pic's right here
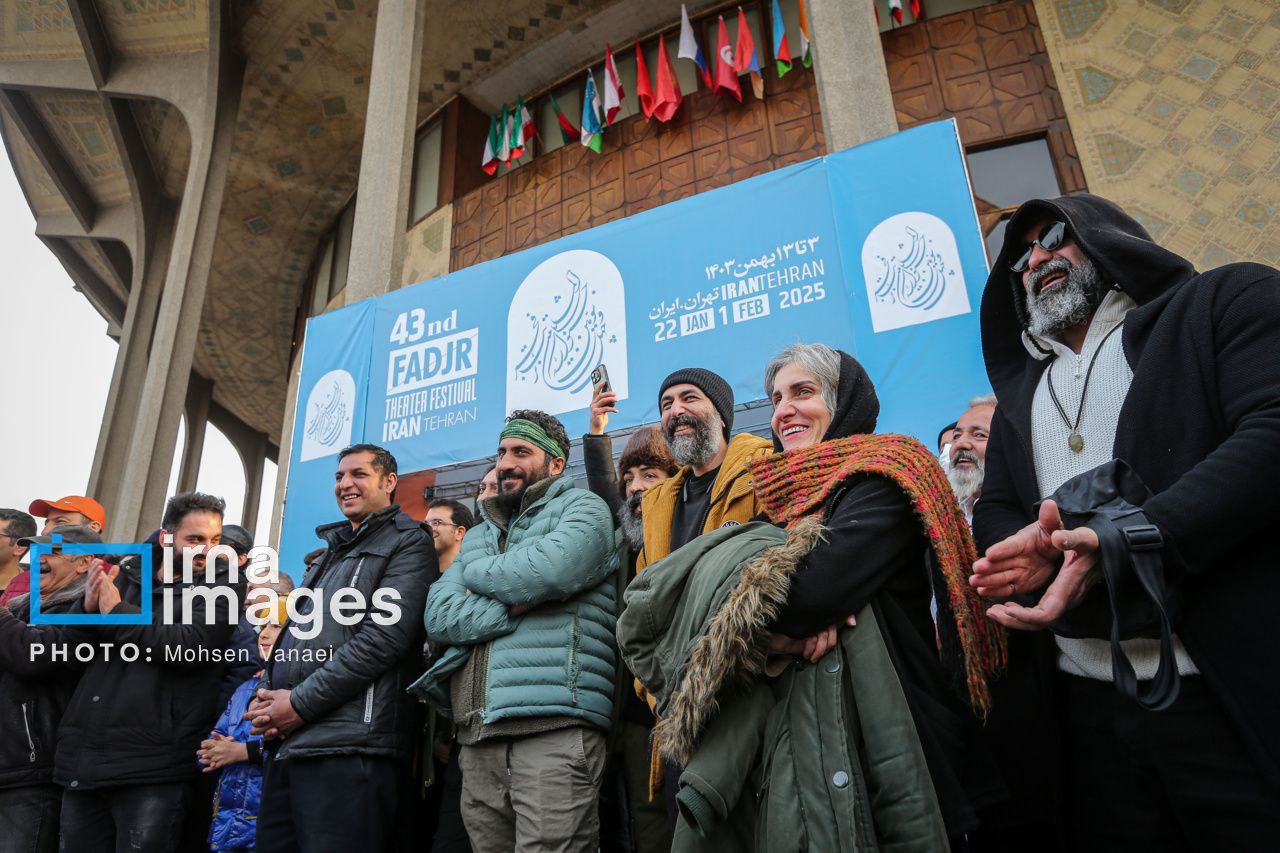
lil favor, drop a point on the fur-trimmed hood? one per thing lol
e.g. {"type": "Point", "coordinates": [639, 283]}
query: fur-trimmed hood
{"type": "Point", "coordinates": [687, 635]}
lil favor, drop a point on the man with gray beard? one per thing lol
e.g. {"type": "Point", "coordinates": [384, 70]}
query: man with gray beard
{"type": "Point", "coordinates": [968, 457]}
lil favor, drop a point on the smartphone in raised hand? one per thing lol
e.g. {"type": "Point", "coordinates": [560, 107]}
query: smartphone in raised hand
{"type": "Point", "coordinates": [600, 378]}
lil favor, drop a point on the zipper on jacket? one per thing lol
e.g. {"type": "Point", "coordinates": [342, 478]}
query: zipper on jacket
{"type": "Point", "coordinates": [26, 724]}
{"type": "Point", "coordinates": [368, 704]}
{"type": "Point", "coordinates": [355, 578]}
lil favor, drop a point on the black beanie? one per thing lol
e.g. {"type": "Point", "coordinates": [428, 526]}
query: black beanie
{"type": "Point", "coordinates": [716, 389]}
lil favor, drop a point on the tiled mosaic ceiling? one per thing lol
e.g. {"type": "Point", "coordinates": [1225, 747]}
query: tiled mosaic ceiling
{"type": "Point", "coordinates": [1175, 107]}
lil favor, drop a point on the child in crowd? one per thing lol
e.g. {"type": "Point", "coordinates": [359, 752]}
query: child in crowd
{"type": "Point", "coordinates": [232, 750]}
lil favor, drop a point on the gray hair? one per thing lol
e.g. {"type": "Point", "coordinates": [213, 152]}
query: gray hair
{"type": "Point", "coordinates": [819, 359]}
{"type": "Point", "coordinates": [982, 400]}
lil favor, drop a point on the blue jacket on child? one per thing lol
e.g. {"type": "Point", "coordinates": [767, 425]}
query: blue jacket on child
{"type": "Point", "coordinates": [235, 803]}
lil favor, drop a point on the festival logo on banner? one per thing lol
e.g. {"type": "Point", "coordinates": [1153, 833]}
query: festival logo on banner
{"type": "Point", "coordinates": [568, 316]}
{"type": "Point", "coordinates": [913, 273]}
{"type": "Point", "coordinates": [330, 412]}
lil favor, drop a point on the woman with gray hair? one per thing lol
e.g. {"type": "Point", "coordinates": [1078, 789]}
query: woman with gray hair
{"type": "Point", "coordinates": [893, 539]}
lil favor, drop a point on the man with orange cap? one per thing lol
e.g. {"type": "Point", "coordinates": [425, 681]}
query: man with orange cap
{"type": "Point", "coordinates": [72, 510]}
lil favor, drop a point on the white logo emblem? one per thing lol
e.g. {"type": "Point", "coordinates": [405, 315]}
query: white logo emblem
{"type": "Point", "coordinates": [913, 273]}
{"type": "Point", "coordinates": [330, 413]}
{"type": "Point", "coordinates": [568, 316]}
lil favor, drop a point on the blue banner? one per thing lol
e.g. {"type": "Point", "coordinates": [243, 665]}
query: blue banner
{"type": "Point", "coordinates": [875, 250]}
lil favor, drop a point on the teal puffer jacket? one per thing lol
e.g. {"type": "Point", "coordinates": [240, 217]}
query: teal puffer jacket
{"type": "Point", "coordinates": [558, 659]}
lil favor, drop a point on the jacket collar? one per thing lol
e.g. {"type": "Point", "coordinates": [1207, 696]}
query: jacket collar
{"type": "Point", "coordinates": [337, 534]}
{"type": "Point", "coordinates": [1110, 314]}
{"type": "Point", "coordinates": [540, 492]}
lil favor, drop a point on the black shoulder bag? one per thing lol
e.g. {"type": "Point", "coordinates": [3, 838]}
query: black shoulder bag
{"type": "Point", "coordinates": [1138, 600]}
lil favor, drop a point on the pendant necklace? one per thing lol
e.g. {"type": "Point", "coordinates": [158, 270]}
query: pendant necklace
{"type": "Point", "coordinates": [1075, 440]}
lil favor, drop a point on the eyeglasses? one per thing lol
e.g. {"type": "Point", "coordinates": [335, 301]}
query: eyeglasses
{"type": "Point", "coordinates": [435, 522]}
{"type": "Point", "coordinates": [1050, 238]}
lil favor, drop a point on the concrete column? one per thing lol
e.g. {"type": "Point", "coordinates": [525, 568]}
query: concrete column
{"type": "Point", "coordinates": [286, 449]}
{"type": "Point", "coordinates": [386, 158]}
{"type": "Point", "coordinates": [211, 115]}
{"type": "Point", "coordinates": [199, 395]}
{"type": "Point", "coordinates": [254, 455]}
{"type": "Point", "coordinates": [853, 84]}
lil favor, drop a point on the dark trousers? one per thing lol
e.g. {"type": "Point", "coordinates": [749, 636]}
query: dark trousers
{"type": "Point", "coordinates": [318, 805]}
{"type": "Point", "coordinates": [146, 818]}
{"type": "Point", "coordinates": [29, 819]}
{"type": "Point", "coordinates": [1172, 780]}
{"type": "Point", "coordinates": [450, 834]}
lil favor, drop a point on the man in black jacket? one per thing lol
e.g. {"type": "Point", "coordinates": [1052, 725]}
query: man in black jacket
{"type": "Point", "coordinates": [34, 692]}
{"type": "Point", "coordinates": [1101, 345]}
{"type": "Point", "coordinates": [148, 696]}
{"type": "Point", "coordinates": [333, 705]}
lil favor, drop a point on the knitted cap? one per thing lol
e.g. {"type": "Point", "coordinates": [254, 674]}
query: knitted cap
{"type": "Point", "coordinates": [716, 389]}
{"type": "Point", "coordinates": [646, 448]}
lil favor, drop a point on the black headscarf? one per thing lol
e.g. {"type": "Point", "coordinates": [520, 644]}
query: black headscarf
{"type": "Point", "coordinates": [857, 405]}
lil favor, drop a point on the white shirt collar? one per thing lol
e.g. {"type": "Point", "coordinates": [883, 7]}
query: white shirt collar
{"type": "Point", "coordinates": [1110, 314]}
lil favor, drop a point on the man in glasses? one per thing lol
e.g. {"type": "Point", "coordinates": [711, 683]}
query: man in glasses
{"type": "Point", "coordinates": [1102, 345]}
{"type": "Point", "coordinates": [449, 521]}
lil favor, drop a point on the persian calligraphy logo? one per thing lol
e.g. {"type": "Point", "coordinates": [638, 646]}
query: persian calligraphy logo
{"type": "Point", "coordinates": [912, 271]}
{"type": "Point", "coordinates": [330, 414]}
{"type": "Point", "coordinates": [568, 315]}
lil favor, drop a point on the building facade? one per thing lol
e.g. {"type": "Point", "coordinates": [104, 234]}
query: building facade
{"type": "Point", "coordinates": [212, 173]}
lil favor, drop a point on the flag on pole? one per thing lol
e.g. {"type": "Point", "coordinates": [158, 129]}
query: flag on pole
{"type": "Point", "coordinates": [644, 84]}
{"type": "Point", "coordinates": [592, 128]}
{"type": "Point", "coordinates": [781, 50]}
{"type": "Point", "coordinates": [745, 55]}
{"type": "Point", "coordinates": [806, 49]}
{"type": "Point", "coordinates": [726, 77]}
{"type": "Point", "coordinates": [568, 132]}
{"type": "Point", "coordinates": [689, 47]}
{"type": "Point", "coordinates": [895, 9]}
{"type": "Point", "coordinates": [669, 95]}
{"type": "Point", "coordinates": [917, 10]}
{"type": "Point", "coordinates": [489, 162]}
{"type": "Point", "coordinates": [517, 129]}
{"type": "Point", "coordinates": [528, 127]}
{"type": "Point", "coordinates": [613, 93]}
{"type": "Point", "coordinates": [504, 137]}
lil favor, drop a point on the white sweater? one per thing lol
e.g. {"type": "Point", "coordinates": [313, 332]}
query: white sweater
{"type": "Point", "coordinates": [1056, 462]}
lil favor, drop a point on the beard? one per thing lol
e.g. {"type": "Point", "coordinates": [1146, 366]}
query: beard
{"type": "Point", "coordinates": [511, 498]}
{"type": "Point", "coordinates": [1070, 303]}
{"type": "Point", "coordinates": [630, 521]}
{"type": "Point", "coordinates": [692, 449]}
{"type": "Point", "coordinates": [965, 482]}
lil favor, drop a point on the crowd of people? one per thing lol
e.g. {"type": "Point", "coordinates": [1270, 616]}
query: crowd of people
{"type": "Point", "coordinates": [1046, 633]}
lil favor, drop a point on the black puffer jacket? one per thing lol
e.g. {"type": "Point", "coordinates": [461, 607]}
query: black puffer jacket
{"type": "Point", "coordinates": [139, 722]}
{"type": "Point", "coordinates": [34, 692]}
{"type": "Point", "coordinates": [354, 703]}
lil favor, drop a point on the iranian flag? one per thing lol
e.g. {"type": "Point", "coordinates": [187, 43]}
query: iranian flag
{"type": "Point", "coordinates": [644, 84]}
{"type": "Point", "coordinates": [726, 77]}
{"type": "Point", "coordinates": [517, 129]}
{"type": "Point", "coordinates": [592, 128]}
{"type": "Point", "coordinates": [613, 93]}
{"type": "Point", "coordinates": [895, 9]}
{"type": "Point", "coordinates": [528, 128]}
{"type": "Point", "coordinates": [781, 50]}
{"type": "Point", "coordinates": [568, 132]}
{"type": "Point", "coordinates": [669, 95]}
{"type": "Point", "coordinates": [504, 137]}
{"type": "Point", "coordinates": [745, 55]}
{"type": "Point", "coordinates": [806, 49]}
{"type": "Point", "coordinates": [490, 160]}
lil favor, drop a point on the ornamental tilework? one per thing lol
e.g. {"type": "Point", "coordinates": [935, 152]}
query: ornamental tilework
{"type": "Point", "coordinates": [1183, 129]}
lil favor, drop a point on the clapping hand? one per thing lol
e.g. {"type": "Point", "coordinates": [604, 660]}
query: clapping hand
{"type": "Point", "coordinates": [1024, 562]}
{"type": "Point", "coordinates": [100, 593]}
{"type": "Point", "coordinates": [1077, 576]}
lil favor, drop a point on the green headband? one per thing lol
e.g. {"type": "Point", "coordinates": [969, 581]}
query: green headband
{"type": "Point", "coordinates": [532, 433]}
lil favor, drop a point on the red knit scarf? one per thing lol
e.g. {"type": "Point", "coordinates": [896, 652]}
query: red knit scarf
{"type": "Point", "coordinates": [796, 483]}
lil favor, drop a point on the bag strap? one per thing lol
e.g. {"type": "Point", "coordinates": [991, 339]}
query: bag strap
{"type": "Point", "coordinates": [1127, 539]}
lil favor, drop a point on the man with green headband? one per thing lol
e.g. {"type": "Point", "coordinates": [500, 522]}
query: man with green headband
{"type": "Point", "coordinates": [528, 611]}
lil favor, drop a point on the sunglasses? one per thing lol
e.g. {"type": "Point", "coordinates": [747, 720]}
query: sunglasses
{"type": "Point", "coordinates": [1050, 239]}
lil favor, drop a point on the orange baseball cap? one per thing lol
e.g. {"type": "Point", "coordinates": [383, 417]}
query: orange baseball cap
{"type": "Point", "coordinates": [87, 507]}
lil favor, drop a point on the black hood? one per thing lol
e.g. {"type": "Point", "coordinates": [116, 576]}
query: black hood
{"type": "Point", "coordinates": [857, 405]}
{"type": "Point", "coordinates": [1120, 247]}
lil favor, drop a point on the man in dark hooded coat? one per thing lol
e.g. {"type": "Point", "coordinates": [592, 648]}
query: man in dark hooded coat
{"type": "Point", "coordinates": [1101, 344]}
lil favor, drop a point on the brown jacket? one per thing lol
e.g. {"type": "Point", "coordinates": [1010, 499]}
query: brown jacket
{"type": "Point", "coordinates": [732, 498]}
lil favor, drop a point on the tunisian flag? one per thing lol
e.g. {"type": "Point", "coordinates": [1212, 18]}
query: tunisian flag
{"type": "Point", "coordinates": [669, 95]}
{"type": "Point", "coordinates": [726, 77]}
